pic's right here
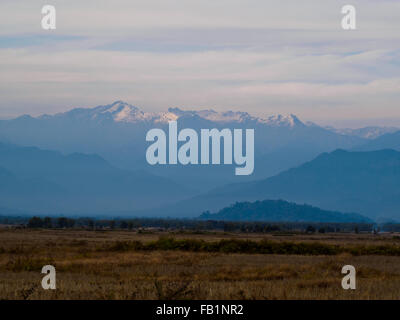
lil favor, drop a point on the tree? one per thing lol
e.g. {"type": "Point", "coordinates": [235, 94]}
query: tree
{"type": "Point", "coordinates": [310, 229]}
{"type": "Point", "coordinates": [47, 222]}
{"type": "Point", "coordinates": [70, 223]}
{"type": "Point", "coordinates": [229, 227]}
{"type": "Point", "coordinates": [62, 222]}
{"type": "Point", "coordinates": [35, 222]}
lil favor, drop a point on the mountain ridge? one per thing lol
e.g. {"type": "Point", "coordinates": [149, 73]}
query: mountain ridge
{"type": "Point", "coordinates": [386, 141]}
{"type": "Point", "coordinates": [120, 111]}
{"type": "Point", "coordinates": [364, 182]}
{"type": "Point", "coordinates": [117, 133]}
{"type": "Point", "coordinates": [45, 180]}
{"type": "Point", "coordinates": [370, 132]}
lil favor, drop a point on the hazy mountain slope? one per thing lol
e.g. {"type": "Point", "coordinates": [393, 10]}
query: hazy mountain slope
{"type": "Point", "coordinates": [364, 182]}
{"type": "Point", "coordinates": [7, 212]}
{"type": "Point", "coordinates": [117, 133]}
{"type": "Point", "coordinates": [387, 141]}
{"type": "Point", "coordinates": [42, 180]}
{"type": "Point", "coordinates": [370, 133]}
{"type": "Point", "coordinates": [10, 185]}
{"type": "Point", "coordinates": [279, 210]}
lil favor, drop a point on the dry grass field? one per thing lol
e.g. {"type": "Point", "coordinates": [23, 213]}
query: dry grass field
{"type": "Point", "coordinates": [90, 265]}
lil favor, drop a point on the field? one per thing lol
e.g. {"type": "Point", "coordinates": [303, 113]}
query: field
{"type": "Point", "coordinates": [117, 264]}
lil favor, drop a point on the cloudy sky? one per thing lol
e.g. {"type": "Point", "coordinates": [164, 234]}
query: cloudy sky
{"type": "Point", "coordinates": [263, 57]}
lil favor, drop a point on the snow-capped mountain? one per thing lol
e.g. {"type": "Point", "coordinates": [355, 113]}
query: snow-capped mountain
{"type": "Point", "coordinates": [366, 132]}
{"type": "Point", "coordinates": [211, 115]}
{"type": "Point", "coordinates": [117, 132]}
{"type": "Point", "coordinates": [120, 111]}
{"type": "Point", "coordinates": [285, 121]}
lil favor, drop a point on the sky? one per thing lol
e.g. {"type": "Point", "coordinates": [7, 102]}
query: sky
{"type": "Point", "coordinates": [263, 57]}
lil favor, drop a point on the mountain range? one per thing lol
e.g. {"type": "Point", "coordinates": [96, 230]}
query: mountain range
{"type": "Point", "coordinates": [92, 161]}
{"type": "Point", "coordinates": [367, 183]}
{"type": "Point", "coordinates": [386, 141]}
{"type": "Point", "coordinates": [117, 131]}
{"type": "Point", "coordinates": [35, 180]}
{"type": "Point", "coordinates": [370, 132]}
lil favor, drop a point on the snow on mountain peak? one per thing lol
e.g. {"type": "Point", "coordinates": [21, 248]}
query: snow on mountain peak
{"type": "Point", "coordinates": [117, 107]}
{"type": "Point", "coordinates": [124, 112]}
{"type": "Point", "coordinates": [238, 116]}
{"type": "Point", "coordinates": [211, 115]}
{"type": "Point", "coordinates": [281, 120]}
{"type": "Point", "coordinates": [120, 111]}
{"type": "Point", "coordinates": [370, 132]}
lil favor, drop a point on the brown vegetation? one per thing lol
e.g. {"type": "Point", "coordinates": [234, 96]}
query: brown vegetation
{"type": "Point", "coordinates": [128, 265]}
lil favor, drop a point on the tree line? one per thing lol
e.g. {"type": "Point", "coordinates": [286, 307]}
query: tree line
{"type": "Point", "coordinates": [192, 225]}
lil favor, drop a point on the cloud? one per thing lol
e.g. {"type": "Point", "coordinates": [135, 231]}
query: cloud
{"type": "Point", "coordinates": [258, 56]}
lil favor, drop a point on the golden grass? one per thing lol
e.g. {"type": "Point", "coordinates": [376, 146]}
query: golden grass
{"type": "Point", "coordinates": [86, 272]}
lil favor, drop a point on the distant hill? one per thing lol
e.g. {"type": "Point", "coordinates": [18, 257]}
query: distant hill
{"type": "Point", "coordinates": [279, 210]}
{"type": "Point", "coordinates": [364, 182]}
{"type": "Point", "coordinates": [7, 212]}
{"type": "Point", "coordinates": [386, 141]}
{"type": "Point", "coordinates": [36, 180]}
{"type": "Point", "coordinates": [370, 133]}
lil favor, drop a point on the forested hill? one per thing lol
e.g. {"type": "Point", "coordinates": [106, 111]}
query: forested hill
{"type": "Point", "coordinates": [280, 210]}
